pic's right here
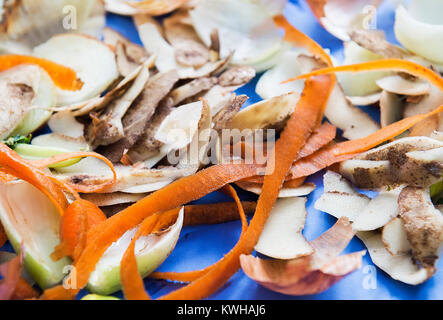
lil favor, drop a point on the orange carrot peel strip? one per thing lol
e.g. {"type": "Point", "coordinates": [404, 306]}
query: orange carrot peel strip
{"type": "Point", "coordinates": [382, 135]}
{"type": "Point", "coordinates": [132, 282]}
{"type": "Point", "coordinates": [300, 39]}
{"type": "Point", "coordinates": [299, 127]}
{"type": "Point", "coordinates": [348, 149]}
{"type": "Point", "coordinates": [194, 275]}
{"type": "Point", "coordinates": [14, 165]}
{"type": "Point", "coordinates": [188, 189]}
{"type": "Point", "coordinates": [380, 65]}
{"type": "Point", "coordinates": [295, 36]}
{"type": "Point", "coordinates": [80, 216]}
{"type": "Point", "coordinates": [63, 77]}
{"type": "Point", "coordinates": [172, 196]}
{"type": "Point", "coordinates": [319, 139]}
{"type": "Point", "coordinates": [303, 121]}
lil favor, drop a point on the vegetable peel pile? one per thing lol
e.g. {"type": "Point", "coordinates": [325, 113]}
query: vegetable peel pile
{"type": "Point", "coordinates": [138, 133]}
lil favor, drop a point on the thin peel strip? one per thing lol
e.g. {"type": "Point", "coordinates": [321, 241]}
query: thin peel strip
{"type": "Point", "coordinates": [63, 77]}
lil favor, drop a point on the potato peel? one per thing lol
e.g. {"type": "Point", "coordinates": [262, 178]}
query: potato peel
{"type": "Point", "coordinates": [423, 224]}
{"type": "Point", "coordinates": [282, 235]}
{"type": "Point", "coordinates": [400, 267]}
{"type": "Point", "coordinates": [310, 274]}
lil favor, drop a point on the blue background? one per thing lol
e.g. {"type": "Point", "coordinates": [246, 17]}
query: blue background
{"type": "Point", "coordinates": [201, 246]}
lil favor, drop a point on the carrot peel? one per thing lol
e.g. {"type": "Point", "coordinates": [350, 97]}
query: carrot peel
{"type": "Point", "coordinates": [63, 77]}
{"type": "Point", "coordinates": [346, 150]}
{"type": "Point", "coordinates": [299, 127]}
{"type": "Point", "coordinates": [194, 275]}
{"type": "Point", "coordinates": [377, 65]}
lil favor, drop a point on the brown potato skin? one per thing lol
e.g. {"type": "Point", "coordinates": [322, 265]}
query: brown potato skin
{"type": "Point", "coordinates": [423, 224]}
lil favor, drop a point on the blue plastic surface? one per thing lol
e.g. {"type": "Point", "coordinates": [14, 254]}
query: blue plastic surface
{"type": "Point", "coordinates": [200, 246]}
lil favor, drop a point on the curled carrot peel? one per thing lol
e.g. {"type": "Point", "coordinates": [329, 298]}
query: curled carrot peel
{"type": "Point", "coordinates": [194, 275]}
{"type": "Point", "coordinates": [382, 135]}
{"type": "Point", "coordinates": [321, 137]}
{"type": "Point", "coordinates": [14, 165]}
{"type": "Point", "coordinates": [295, 36]}
{"type": "Point", "coordinates": [318, 161]}
{"type": "Point", "coordinates": [380, 65]}
{"type": "Point", "coordinates": [348, 149]}
{"type": "Point", "coordinates": [43, 163]}
{"type": "Point", "coordinates": [299, 127]}
{"type": "Point", "coordinates": [132, 282]}
{"type": "Point", "coordinates": [172, 196]}
{"type": "Point", "coordinates": [63, 77]}
{"type": "Point", "coordinates": [80, 216]}
{"type": "Point", "coordinates": [298, 38]}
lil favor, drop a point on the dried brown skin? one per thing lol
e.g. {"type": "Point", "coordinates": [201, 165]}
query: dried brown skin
{"type": "Point", "coordinates": [102, 131]}
{"type": "Point", "coordinates": [136, 119]}
{"type": "Point", "coordinates": [98, 103]}
{"type": "Point", "coordinates": [125, 63]}
{"type": "Point", "coordinates": [189, 50]}
{"type": "Point", "coordinates": [401, 169]}
{"type": "Point", "coordinates": [423, 224]}
{"type": "Point", "coordinates": [215, 43]}
{"type": "Point", "coordinates": [23, 20]}
{"type": "Point", "coordinates": [147, 145]}
{"type": "Point", "coordinates": [376, 42]}
{"type": "Point", "coordinates": [135, 52]}
{"type": "Point", "coordinates": [371, 178]}
{"type": "Point", "coordinates": [178, 27]}
{"type": "Point", "coordinates": [191, 54]}
{"type": "Point", "coordinates": [425, 128]}
{"type": "Point", "coordinates": [192, 89]}
{"type": "Point", "coordinates": [222, 119]}
{"type": "Point", "coordinates": [236, 76]}
{"type": "Point", "coordinates": [108, 128]}
{"type": "Point", "coordinates": [109, 211]}
{"type": "Point", "coordinates": [16, 95]}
